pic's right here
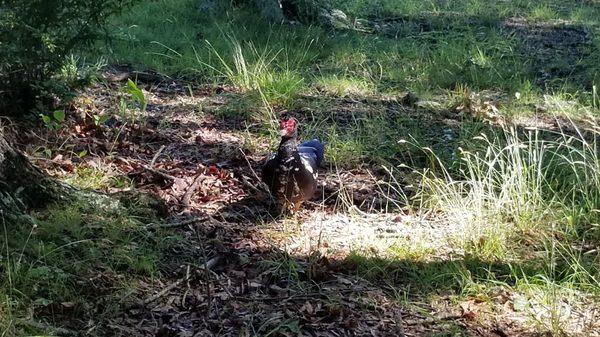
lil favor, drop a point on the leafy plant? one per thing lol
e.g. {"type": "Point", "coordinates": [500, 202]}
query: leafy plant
{"type": "Point", "coordinates": [36, 36]}
{"type": "Point", "coordinates": [55, 120]}
{"type": "Point", "coordinates": [129, 107]}
{"type": "Point", "coordinates": [136, 94]}
{"type": "Point", "coordinates": [100, 119]}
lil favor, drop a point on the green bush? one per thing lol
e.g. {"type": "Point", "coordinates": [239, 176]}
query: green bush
{"type": "Point", "coordinates": [36, 38]}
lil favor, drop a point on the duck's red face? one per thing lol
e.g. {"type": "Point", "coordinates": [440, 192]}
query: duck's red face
{"type": "Point", "coordinates": [287, 127]}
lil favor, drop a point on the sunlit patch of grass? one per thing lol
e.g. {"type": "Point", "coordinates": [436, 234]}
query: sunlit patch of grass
{"type": "Point", "coordinates": [555, 307]}
{"type": "Point", "coordinates": [543, 12]}
{"type": "Point", "coordinates": [501, 197]}
{"type": "Point", "coordinates": [344, 86]}
{"type": "Point", "coordinates": [281, 88]}
{"type": "Point", "coordinates": [510, 201]}
{"type": "Point", "coordinates": [565, 104]}
{"type": "Point", "coordinates": [272, 74]}
{"type": "Point", "coordinates": [438, 45]}
{"type": "Point", "coordinates": [412, 250]}
{"type": "Point", "coordinates": [97, 178]}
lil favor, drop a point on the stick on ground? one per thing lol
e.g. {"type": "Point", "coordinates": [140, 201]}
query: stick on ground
{"type": "Point", "coordinates": [192, 189]}
{"type": "Point", "coordinates": [208, 265]}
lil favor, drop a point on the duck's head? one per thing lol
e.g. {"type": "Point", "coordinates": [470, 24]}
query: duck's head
{"type": "Point", "coordinates": [288, 127]}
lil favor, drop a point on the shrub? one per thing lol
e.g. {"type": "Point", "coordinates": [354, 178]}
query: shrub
{"type": "Point", "coordinates": [36, 36]}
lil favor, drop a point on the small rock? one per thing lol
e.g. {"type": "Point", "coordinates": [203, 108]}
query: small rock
{"type": "Point", "coordinates": [335, 19]}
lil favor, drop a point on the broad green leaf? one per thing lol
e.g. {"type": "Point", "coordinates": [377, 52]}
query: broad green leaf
{"type": "Point", "coordinates": [59, 115]}
{"type": "Point", "coordinates": [46, 119]}
{"type": "Point", "coordinates": [41, 301]}
{"type": "Point", "coordinates": [136, 93]}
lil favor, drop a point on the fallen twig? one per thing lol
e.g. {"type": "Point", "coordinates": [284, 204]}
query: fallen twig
{"type": "Point", "coordinates": [163, 292]}
{"type": "Point", "coordinates": [192, 189]}
{"type": "Point", "coordinates": [206, 268]}
{"type": "Point", "coordinates": [399, 323]}
{"type": "Point", "coordinates": [210, 264]}
{"type": "Point", "coordinates": [245, 182]}
{"type": "Point", "coordinates": [160, 173]}
{"type": "Point", "coordinates": [262, 185]}
{"type": "Point", "coordinates": [48, 328]}
{"type": "Point", "coordinates": [156, 155]}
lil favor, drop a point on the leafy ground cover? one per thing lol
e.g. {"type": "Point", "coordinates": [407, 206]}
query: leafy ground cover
{"type": "Point", "coordinates": [459, 197]}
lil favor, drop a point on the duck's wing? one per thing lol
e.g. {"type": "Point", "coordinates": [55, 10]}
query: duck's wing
{"type": "Point", "coordinates": [313, 150]}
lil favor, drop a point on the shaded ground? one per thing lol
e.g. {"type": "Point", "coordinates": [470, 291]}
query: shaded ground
{"type": "Point", "coordinates": [256, 273]}
{"type": "Point", "coordinates": [555, 50]}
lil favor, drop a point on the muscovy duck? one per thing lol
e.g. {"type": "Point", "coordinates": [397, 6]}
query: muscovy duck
{"type": "Point", "coordinates": [291, 172]}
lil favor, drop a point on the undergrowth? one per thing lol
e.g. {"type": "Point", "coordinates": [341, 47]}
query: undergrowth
{"type": "Point", "coordinates": [523, 202]}
{"type": "Point", "coordinates": [82, 258]}
{"type": "Point", "coordinates": [523, 205]}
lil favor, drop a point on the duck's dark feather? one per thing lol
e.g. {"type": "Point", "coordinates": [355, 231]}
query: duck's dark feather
{"type": "Point", "coordinates": [313, 151]}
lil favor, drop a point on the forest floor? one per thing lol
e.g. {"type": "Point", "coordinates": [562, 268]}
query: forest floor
{"type": "Point", "coordinates": [458, 195]}
{"type": "Point", "coordinates": [246, 271]}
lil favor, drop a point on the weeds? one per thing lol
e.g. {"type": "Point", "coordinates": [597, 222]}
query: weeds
{"type": "Point", "coordinates": [511, 203]}
{"type": "Point", "coordinates": [98, 178]}
{"type": "Point", "coordinates": [72, 255]}
{"type": "Point", "coordinates": [272, 73]}
{"type": "Point", "coordinates": [131, 109]}
{"type": "Point", "coordinates": [431, 49]}
{"type": "Point", "coordinates": [55, 120]}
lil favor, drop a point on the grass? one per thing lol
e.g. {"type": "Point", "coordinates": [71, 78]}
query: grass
{"type": "Point", "coordinates": [344, 86]}
{"type": "Point", "coordinates": [97, 179]}
{"type": "Point", "coordinates": [438, 47]}
{"type": "Point", "coordinates": [458, 45]}
{"type": "Point", "coordinates": [70, 257]}
{"type": "Point", "coordinates": [522, 204]}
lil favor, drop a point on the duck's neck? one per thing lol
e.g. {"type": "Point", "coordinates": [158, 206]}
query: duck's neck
{"type": "Point", "coordinates": [288, 147]}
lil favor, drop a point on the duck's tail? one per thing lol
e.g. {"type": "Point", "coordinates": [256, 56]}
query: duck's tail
{"type": "Point", "coordinates": [313, 148]}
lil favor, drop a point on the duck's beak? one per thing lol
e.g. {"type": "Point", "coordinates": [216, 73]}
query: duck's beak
{"type": "Point", "coordinates": [283, 132]}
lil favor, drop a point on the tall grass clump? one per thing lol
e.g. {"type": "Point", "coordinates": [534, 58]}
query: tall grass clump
{"type": "Point", "coordinates": [273, 73]}
{"type": "Point", "coordinates": [496, 194]}
{"type": "Point", "coordinates": [526, 197]}
{"type": "Point", "coordinates": [529, 200]}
